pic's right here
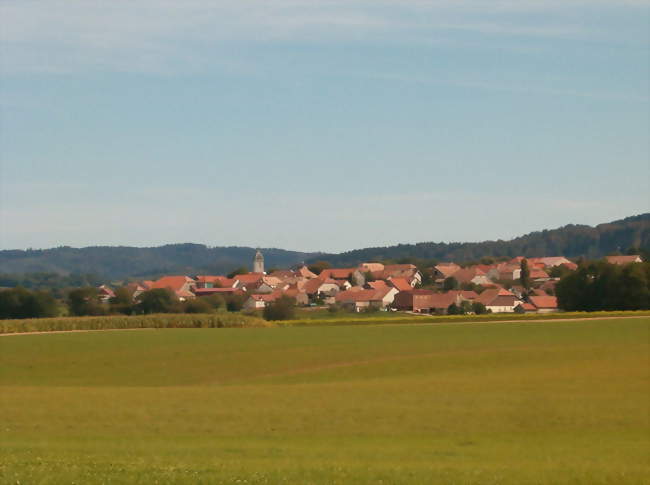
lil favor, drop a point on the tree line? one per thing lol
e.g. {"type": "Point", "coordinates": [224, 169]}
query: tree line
{"type": "Point", "coordinates": [600, 286]}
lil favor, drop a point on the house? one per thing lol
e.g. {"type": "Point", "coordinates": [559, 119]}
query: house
{"type": "Point", "coordinates": [351, 274]}
{"type": "Point", "coordinates": [181, 286]}
{"type": "Point", "coordinates": [205, 281]}
{"type": "Point", "coordinates": [247, 279]}
{"type": "Point", "coordinates": [468, 295]}
{"type": "Point", "coordinates": [371, 267]}
{"type": "Point", "coordinates": [544, 304]}
{"type": "Point", "coordinates": [528, 307]}
{"type": "Point", "coordinates": [380, 285]}
{"type": "Point", "coordinates": [300, 296]}
{"type": "Point", "coordinates": [135, 289]}
{"type": "Point", "coordinates": [539, 275]}
{"type": "Point", "coordinates": [544, 262]}
{"type": "Point", "coordinates": [322, 288]}
{"type": "Point", "coordinates": [285, 276]}
{"type": "Point", "coordinates": [505, 271]}
{"type": "Point", "coordinates": [359, 299]}
{"type": "Point", "coordinates": [635, 258]}
{"type": "Point", "coordinates": [498, 300]}
{"type": "Point", "coordinates": [426, 301]}
{"type": "Point", "coordinates": [104, 293]}
{"type": "Point", "coordinates": [472, 275]}
{"type": "Point", "coordinates": [259, 301]}
{"type": "Point", "coordinates": [217, 291]}
{"type": "Point", "coordinates": [418, 301]}
{"type": "Point", "coordinates": [407, 271]}
{"type": "Point", "coordinates": [442, 271]}
{"type": "Point", "coordinates": [402, 284]}
{"type": "Point", "coordinates": [304, 272]}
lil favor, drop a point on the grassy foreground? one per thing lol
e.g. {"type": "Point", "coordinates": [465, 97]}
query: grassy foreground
{"type": "Point", "coordinates": [545, 403]}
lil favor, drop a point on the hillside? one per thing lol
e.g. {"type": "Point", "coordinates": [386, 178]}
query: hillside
{"type": "Point", "coordinates": [124, 262]}
{"type": "Point", "coordinates": [571, 241]}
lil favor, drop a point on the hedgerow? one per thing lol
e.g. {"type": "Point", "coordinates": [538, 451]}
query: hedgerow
{"type": "Point", "coordinates": [410, 319]}
{"type": "Point", "coordinates": [217, 320]}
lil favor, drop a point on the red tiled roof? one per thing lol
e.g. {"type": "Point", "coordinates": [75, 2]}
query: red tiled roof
{"type": "Point", "coordinates": [538, 274]}
{"type": "Point", "coordinates": [305, 273]}
{"type": "Point", "coordinates": [174, 283]}
{"type": "Point", "coordinates": [377, 285]}
{"type": "Point", "coordinates": [372, 267]}
{"type": "Point", "coordinates": [442, 301]}
{"type": "Point", "coordinates": [337, 273]}
{"type": "Point", "coordinates": [222, 281]}
{"type": "Point", "coordinates": [544, 301]}
{"type": "Point", "coordinates": [362, 295]}
{"type": "Point", "coordinates": [400, 284]}
{"type": "Point", "coordinates": [249, 277]}
{"type": "Point", "coordinates": [623, 259]}
{"type": "Point", "coordinates": [215, 291]}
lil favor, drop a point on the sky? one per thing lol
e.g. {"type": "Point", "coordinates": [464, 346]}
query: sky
{"type": "Point", "coordinates": [319, 125]}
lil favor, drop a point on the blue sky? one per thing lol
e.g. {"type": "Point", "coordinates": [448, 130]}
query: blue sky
{"type": "Point", "coordinates": [319, 125]}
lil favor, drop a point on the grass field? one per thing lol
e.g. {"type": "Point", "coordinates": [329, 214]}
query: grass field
{"type": "Point", "coordinates": [480, 403]}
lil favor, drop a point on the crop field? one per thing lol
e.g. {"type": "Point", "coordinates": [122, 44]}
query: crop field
{"type": "Point", "coordinates": [554, 402]}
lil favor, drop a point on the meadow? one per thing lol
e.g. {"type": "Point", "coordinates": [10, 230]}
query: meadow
{"type": "Point", "coordinates": [526, 402]}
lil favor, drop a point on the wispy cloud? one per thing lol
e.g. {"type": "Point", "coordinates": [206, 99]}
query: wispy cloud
{"type": "Point", "coordinates": [150, 35]}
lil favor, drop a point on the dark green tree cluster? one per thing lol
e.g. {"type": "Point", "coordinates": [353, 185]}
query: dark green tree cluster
{"type": "Point", "coordinates": [601, 286]}
{"type": "Point", "coordinates": [283, 308]}
{"type": "Point", "coordinates": [466, 308]}
{"type": "Point", "coordinates": [23, 303]}
{"type": "Point", "coordinates": [50, 281]}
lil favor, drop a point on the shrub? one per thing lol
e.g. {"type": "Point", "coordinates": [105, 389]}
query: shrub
{"type": "Point", "coordinates": [198, 305]}
{"type": "Point", "coordinates": [284, 308]}
{"type": "Point", "coordinates": [158, 300]}
{"type": "Point", "coordinates": [84, 301]}
{"type": "Point", "coordinates": [479, 308]}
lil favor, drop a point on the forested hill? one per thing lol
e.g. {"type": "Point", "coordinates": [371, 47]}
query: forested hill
{"type": "Point", "coordinates": [571, 241]}
{"type": "Point", "coordinates": [121, 262]}
{"type": "Point", "coordinates": [115, 263]}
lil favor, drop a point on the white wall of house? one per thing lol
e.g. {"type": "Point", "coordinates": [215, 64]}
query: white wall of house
{"type": "Point", "coordinates": [501, 309]}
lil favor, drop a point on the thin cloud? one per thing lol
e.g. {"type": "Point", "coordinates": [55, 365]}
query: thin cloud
{"type": "Point", "coordinates": [165, 35]}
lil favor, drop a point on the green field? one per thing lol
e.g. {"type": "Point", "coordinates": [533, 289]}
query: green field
{"type": "Point", "coordinates": [563, 402]}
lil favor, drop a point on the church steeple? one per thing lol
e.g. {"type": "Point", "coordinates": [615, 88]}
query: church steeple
{"type": "Point", "coordinates": [258, 263]}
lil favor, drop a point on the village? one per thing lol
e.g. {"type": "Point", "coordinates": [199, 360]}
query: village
{"type": "Point", "coordinates": [445, 288]}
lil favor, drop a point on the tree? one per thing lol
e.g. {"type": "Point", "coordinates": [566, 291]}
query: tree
{"type": "Point", "coordinates": [22, 303]}
{"type": "Point", "coordinates": [198, 305]}
{"type": "Point", "coordinates": [158, 300]}
{"type": "Point", "coordinates": [369, 276]}
{"type": "Point", "coordinates": [318, 267]}
{"type": "Point", "coordinates": [450, 283]}
{"type": "Point", "coordinates": [215, 301]}
{"type": "Point", "coordinates": [235, 303]}
{"type": "Point", "coordinates": [603, 286]}
{"type": "Point", "coordinates": [524, 276]}
{"type": "Point", "coordinates": [453, 309]}
{"type": "Point", "coordinates": [478, 308]}
{"type": "Point", "coordinates": [283, 308]}
{"type": "Point", "coordinates": [85, 301]}
{"type": "Point", "coordinates": [240, 270]}
{"type": "Point", "coordinates": [122, 302]}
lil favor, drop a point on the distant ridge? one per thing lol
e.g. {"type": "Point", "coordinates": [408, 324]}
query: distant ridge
{"type": "Point", "coordinates": [120, 262]}
{"type": "Point", "coordinates": [571, 241]}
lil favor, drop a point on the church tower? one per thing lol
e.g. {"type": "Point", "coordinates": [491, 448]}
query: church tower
{"type": "Point", "coordinates": [258, 263]}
